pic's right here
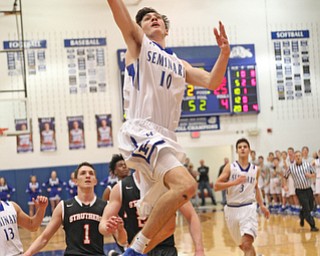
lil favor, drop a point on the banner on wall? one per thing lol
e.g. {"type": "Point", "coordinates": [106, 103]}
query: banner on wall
{"type": "Point", "coordinates": [291, 53]}
{"type": "Point", "coordinates": [24, 141]}
{"type": "Point", "coordinates": [104, 130]}
{"type": "Point", "coordinates": [47, 134]}
{"type": "Point", "coordinates": [201, 123]}
{"type": "Point", "coordinates": [35, 56]}
{"type": "Point", "coordinates": [86, 64]}
{"type": "Point", "coordinates": [76, 132]}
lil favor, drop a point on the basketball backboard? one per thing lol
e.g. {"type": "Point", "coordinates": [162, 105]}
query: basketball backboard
{"type": "Point", "coordinates": [14, 116]}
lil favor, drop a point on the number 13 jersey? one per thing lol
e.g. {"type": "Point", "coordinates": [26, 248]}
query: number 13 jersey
{"type": "Point", "coordinates": [10, 243]}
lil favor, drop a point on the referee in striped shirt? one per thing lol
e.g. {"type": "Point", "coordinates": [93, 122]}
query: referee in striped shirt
{"type": "Point", "coordinates": [302, 173]}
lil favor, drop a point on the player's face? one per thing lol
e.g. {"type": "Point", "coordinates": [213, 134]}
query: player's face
{"type": "Point", "coordinates": [284, 155]}
{"type": "Point", "coordinates": [121, 169]}
{"type": "Point", "coordinates": [243, 149]}
{"type": "Point", "coordinates": [153, 23]}
{"type": "Point", "coordinates": [305, 151]}
{"type": "Point", "coordinates": [275, 162]}
{"type": "Point", "coordinates": [298, 158]}
{"type": "Point", "coordinates": [290, 152]}
{"type": "Point", "coordinates": [86, 177]}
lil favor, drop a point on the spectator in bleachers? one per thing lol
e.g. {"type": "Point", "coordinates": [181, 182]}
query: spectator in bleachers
{"type": "Point", "coordinates": [224, 192]}
{"type": "Point", "coordinates": [275, 185]}
{"type": "Point", "coordinates": [305, 155]}
{"type": "Point", "coordinates": [253, 158]}
{"type": "Point", "coordinates": [204, 183]}
{"type": "Point", "coordinates": [264, 180]}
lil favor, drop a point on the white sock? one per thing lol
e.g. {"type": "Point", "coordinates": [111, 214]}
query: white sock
{"type": "Point", "coordinates": [140, 243]}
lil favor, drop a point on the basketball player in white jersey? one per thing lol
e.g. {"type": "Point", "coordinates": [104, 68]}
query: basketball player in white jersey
{"type": "Point", "coordinates": [12, 217]}
{"type": "Point", "coordinates": [155, 80]}
{"type": "Point", "coordinates": [240, 178]}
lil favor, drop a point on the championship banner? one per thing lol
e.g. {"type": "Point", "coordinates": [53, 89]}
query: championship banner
{"type": "Point", "coordinates": [24, 141]}
{"type": "Point", "coordinates": [47, 134]}
{"type": "Point", "coordinates": [104, 130]}
{"type": "Point", "coordinates": [76, 132]}
{"type": "Point", "coordinates": [201, 123]}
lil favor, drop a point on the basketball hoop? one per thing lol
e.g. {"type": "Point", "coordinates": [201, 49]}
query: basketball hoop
{"type": "Point", "coordinates": [2, 131]}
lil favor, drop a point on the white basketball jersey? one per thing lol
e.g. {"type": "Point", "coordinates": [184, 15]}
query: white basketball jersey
{"type": "Point", "coordinates": [242, 193]}
{"type": "Point", "coordinates": [154, 86]}
{"type": "Point", "coordinates": [10, 242]}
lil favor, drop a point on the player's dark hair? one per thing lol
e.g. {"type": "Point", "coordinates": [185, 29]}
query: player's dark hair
{"type": "Point", "coordinates": [114, 160]}
{"type": "Point", "coordinates": [242, 140]}
{"type": "Point", "coordinates": [142, 12]}
{"type": "Point", "coordinates": [83, 164]}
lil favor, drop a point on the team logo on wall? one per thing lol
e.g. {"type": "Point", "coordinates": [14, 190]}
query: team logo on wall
{"type": "Point", "coordinates": [104, 130]}
{"type": "Point", "coordinates": [76, 132]}
{"type": "Point", "coordinates": [24, 141]}
{"type": "Point", "coordinates": [47, 134]}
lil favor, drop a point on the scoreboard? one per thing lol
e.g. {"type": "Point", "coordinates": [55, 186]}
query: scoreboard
{"type": "Point", "coordinates": [243, 84]}
{"type": "Point", "coordinates": [238, 91]}
{"type": "Point", "coordinates": [199, 101]}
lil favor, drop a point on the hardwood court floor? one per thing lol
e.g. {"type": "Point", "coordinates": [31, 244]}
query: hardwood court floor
{"type": "Point", "coordinates": [278, 236]}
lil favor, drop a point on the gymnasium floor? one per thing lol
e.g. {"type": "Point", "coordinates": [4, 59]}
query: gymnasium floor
{"type": "Point", "coordinates": [278, 236]}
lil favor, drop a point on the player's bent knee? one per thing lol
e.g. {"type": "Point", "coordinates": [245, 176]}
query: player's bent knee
{"type": "Point", "coordinates": [189, 190]}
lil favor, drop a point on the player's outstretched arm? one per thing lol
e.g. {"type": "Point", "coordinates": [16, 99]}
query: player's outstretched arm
{"type": "Point", "coordinates": [213, 79]}
{"type": "Point", "coordinates": [131, 31]}
{"type": "Point", "coordinates": [49, 231]}
{"type": "Point", "coordinates": [34, 222]}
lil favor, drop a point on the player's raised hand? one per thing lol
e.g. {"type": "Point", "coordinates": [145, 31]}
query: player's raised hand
{"type": "Point", "coordinates": [222, 38]}
{"type": "Point", "coordinates": [41, 202]}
